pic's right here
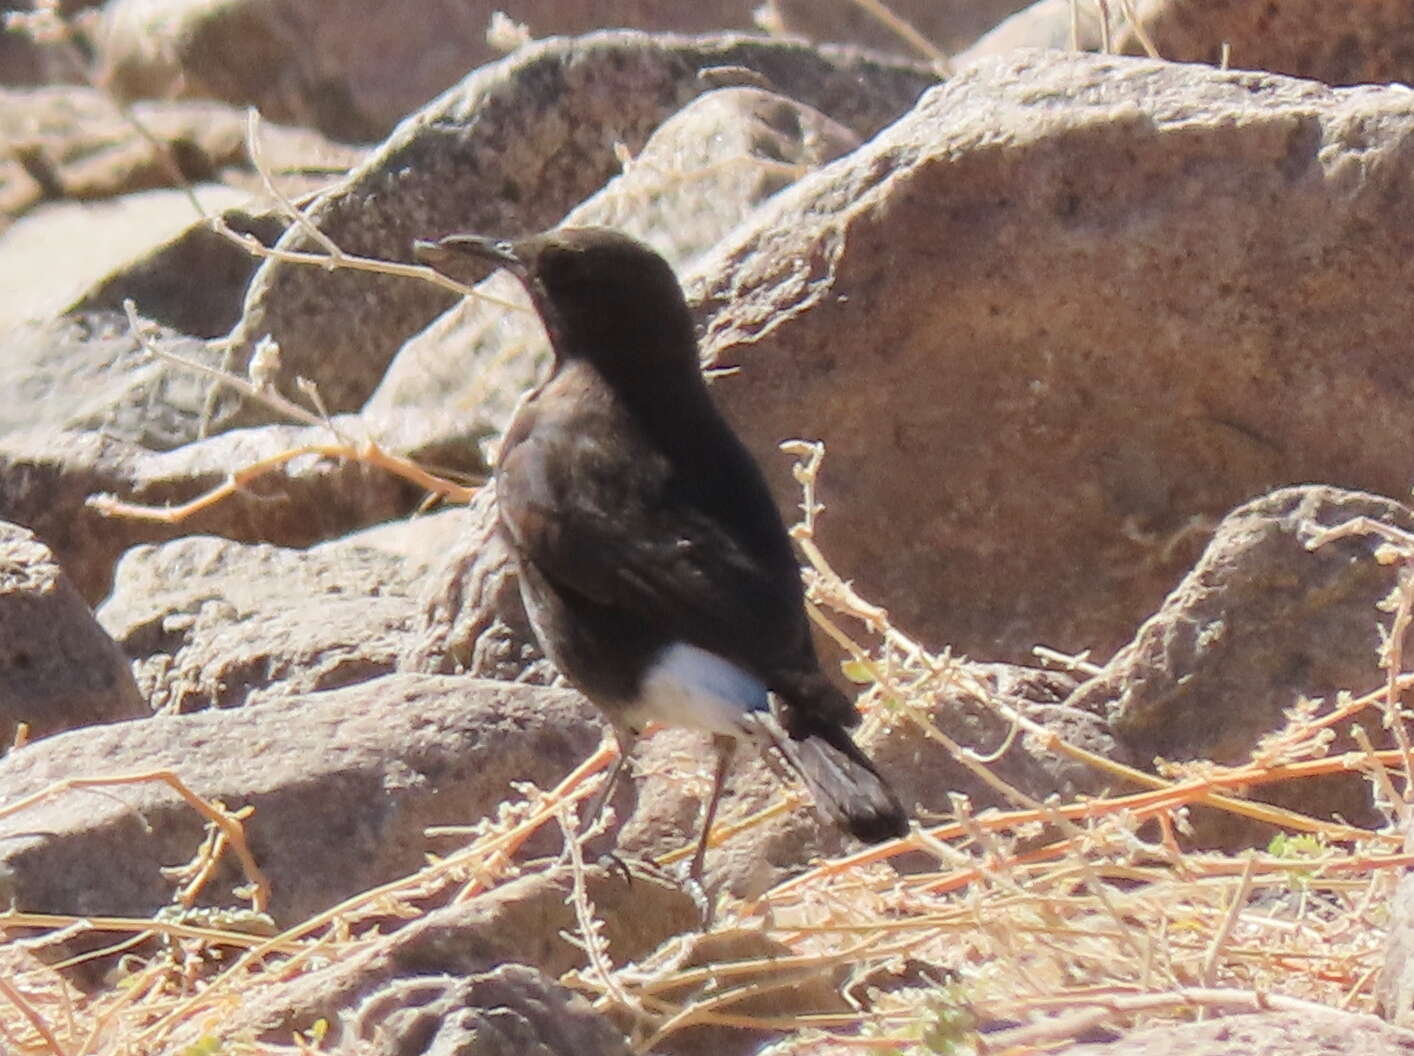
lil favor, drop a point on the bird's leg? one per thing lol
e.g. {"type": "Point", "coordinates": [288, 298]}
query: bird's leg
{"type": "Point", "coordinates": [596, 807]}
{"type": "Point", "coordinates": [726, 748]}
{"type": "Point", "coordinates": [606, 791]}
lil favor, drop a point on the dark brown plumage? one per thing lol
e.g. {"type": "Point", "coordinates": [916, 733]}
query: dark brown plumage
{"type": "Point", "coordinates": [654, 565]}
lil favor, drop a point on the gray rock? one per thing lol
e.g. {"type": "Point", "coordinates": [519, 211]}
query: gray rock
{"type": "Point", "coordinates": [699, 174]}
{"type": "Point", "coordinates": [58, 669]}
{"type": "Point", "coordinates": [194, 282]}
{"type": "Point", "coordinates": [354, 69]}
{"type": "Point", "coordinates": [87, 372]}
{"type": "Point", "coordinates": [510, 1010]}
{"type": "Point", "coordinates": [524, 921]}
{"type": "Point", "coordinates": [1258, 623]}
{"type": "Point", "coordinates": [214, 623]}
{"type": "Point", "coordinates": [1062, 317]}
{"type": "Point", "coordinates": [511, 149]}
{"type": "Point", "coordinates": [471, 619]}
{"type": "Point", "coordinates": [58, 251]}
{"type": "Point", "coordinates": [1334, 43]}
{"type": "Point", "coordinates": [422, 541]}
{"type": "Point", "coordinates": [47, 478]}
{"type": "Point", "coordinates": [1263, 1034]}
{"type": "Point", "coordinates": [343, 784]}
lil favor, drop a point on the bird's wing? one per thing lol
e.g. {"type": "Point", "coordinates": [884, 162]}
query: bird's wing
{"type": "Point", "coordinates": [621, 535]}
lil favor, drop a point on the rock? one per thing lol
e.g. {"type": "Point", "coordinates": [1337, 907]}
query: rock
{"type": "Point", "coordinates": [698, 175]}
{"type": "Point", "coordinates": [813, 992]}
{"type": "Point", "coordinates": [949, 26]}
{"type": "Point", "coordinates": [674, 770]}
{"type": "Point", "coordinates": [924, 774]}
{"type": "Point", "coordinates": [46, 480]}
{"type": "Point", "coordinates": [78, 175]}
{"type": "Point", "coordinates": [1334, 43]}
{"type": "Point", "coordinates": [510, 1010]}
{"type": "Point", "coordinates": [58, 669]}
{"type": "Point", "coordinates": [192, 283]}
{"type": "Point", "coordinates": [353, 71]}
{"type": "Point", "coordinates": [421, 541]}
{"type": "Point", "coordinates": [60, 250]}
{"type": "Point", "coordinates": [72, 142]}
{"type": "Point", "coordinates": [524, 921]}
{"type": "Point", "coordinates": [1043, 24]}
{"type": "Point", "coordinates": [1263, 621]}
{"type": "Point", "coordinates": [343, 784]}
{"type": "Point", "coordinates": [1263, 1034]}
{"type": "Point", "coordinates": [87, 372]}
{"type": "Point", "coordinates": [471, 617]}
{"type": "Point", "coordinates": [28, 53]}
{"type": "Point", "coordinates": [1060, 317]}
{"type": "Point", "coordinates": [211, 623]}
{"type": "Point", "coordinates": [537, 129]}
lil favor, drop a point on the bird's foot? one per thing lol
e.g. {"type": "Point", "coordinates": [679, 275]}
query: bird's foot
{"type": "Point", "coordinates": [610, 860]}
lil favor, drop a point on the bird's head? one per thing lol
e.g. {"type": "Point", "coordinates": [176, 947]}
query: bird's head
{"type": "Point", "coordinates": [602, 295]}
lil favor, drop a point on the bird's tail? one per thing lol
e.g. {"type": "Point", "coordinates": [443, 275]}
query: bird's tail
{"type": "Point", "coordinates": [843, 781]}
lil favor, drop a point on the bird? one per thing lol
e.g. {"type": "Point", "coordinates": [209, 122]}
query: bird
{"type": "Point", "coordinates": [655, 568]}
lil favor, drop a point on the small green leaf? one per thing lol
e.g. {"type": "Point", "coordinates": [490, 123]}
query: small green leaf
{"type": "Point", "coordinates": [859, 672]}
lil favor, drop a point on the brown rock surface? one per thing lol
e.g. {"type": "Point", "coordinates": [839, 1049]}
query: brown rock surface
{"type": "Point", "coordinates": [1310, 1032]}
{"type": "Point", "coordinates": [1043, 24]}
{"type": "Point", "coordinates": [354, 69]}
{"type": "Point", "coordinates": [471, 620]}
{"type": "Point", "coordinates": [86, 372]}
{"type": "Point", "coordinates": [1394, 988]}
{"type": "Point", "coordinates": [1372, 41]}
{"type": "Point", "coordinates": [1060, 315]}
{"type": "Point", "coordinates": [46, 479]}
{"type": "Point", "coordinates": [510, 1010]}
{"type": "Point", "coordinates": [947, 24]}
{"type": "Point", "coordinates": [674, 769]}
{"type": "Point", "coordinates": [699, 174]}
{"type": "Point", "coordinates": [524, 921]}
{"type": "Point", "coordinates": [1339, 44]}
{"type": "Point", "coordinates": [539, 129]}
{"type": "Point", "coordinates": [60, 250]}
{"type": "Point", "coordinates": [1260, 622]}
{"type": "Point", "coordinates": [213, 623]}
{"type": "Point", "coordinates": [813, 989]}
{"type": "Point", "coordinates": [72, 142]}
{"type": "Point", "coordinates": [343, 784]}
{"type": "Point", "coordinates": [58, 668]}
{"type": "Point", "coordinates": [192, 282]}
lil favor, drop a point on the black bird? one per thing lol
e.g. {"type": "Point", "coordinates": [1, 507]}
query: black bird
{"type": "Point", "coordinates": [654, 565]}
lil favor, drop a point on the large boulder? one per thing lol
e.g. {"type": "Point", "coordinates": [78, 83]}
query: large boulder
{"type": "Point", "coordinates": [1061, 318]}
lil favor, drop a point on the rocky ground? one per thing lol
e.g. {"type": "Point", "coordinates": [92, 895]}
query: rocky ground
{"type": "Point", "coordinates": [1103, 325]}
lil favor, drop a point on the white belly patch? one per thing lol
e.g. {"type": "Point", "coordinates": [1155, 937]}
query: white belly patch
{"type": "Point", "coordinates": [688, 686]}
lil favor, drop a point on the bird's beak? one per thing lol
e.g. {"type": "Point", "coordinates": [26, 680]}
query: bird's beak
{"type": "Point", "coordinates": [464, 257]}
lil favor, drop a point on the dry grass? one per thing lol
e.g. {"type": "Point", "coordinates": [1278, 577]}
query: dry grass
{"type": "Point", "coordinates": [1052, 918]}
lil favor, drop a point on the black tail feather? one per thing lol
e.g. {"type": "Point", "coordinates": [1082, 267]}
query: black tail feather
{"type": "Point", "coordinates": [843, 782]}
